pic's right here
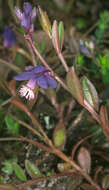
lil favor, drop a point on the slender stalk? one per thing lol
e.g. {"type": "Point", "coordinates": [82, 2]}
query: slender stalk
{"type": "Point", "coordinates": [72, 163]}
{"type": "Point", "coordinates": [19, 104]}
{"type": "Point", "coordinates": [63, 61]}
{"type": "Point", "coordinates": [24, 53]}
{"type": "Point", "coordinates": [45, 63]}
{"type": "Point", "coordinates": [11, 66]}
{"type": "Point", "coordinates": [27, 126]}
{"type": "Point", "coordinates": [35, 143]}
{"type": "Point", "coordinates": [32, 53]}
{"type": "Point", "coordinates": [31, 182]}
{"type": "Point", "coordinates": [39, 145]}
{"type": "Point", "coordinates": [10, 139]}
{"type": "Point", "coordinates": [90, 30]}
{"type": "Point", "coordinates": [59, 154]}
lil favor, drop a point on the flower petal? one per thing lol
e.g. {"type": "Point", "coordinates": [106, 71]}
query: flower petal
{"type": "Point", "coordinates": [26, 92]}
{"type": "Point", "coordinates": [51, 82]}
{"type": "Point", "coordinates": [18, 13]}
{"type": "Point", "coordinates": [38, 69]}
{"type": "Point", "coordinates": [27, 8]}
{"type": "Point", "coordinates": [32, 83]}
{"type": "Point", "coordinates": [9, 37]}
{"type": "Point", "coordinates": [26, 22]}
{"type": "Point", "coordinates": [46, 82]}
{"type": "Point", "coordinates": [34, 12]}
{"type": "Point", "coordinates": [25, 76]}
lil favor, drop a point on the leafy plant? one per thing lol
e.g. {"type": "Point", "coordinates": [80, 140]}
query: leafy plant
{"type": "Point", "coordinates": [12, 126]}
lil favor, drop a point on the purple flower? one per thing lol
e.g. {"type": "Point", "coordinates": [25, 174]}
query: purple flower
{"type": "Point", "coordinates": [38, 75]}
{"type": "Point", "coordinates": [26, 17]}
{"type": "Point", "coordinates": [9, 37]}
{"type": "Point", "coordinates": [84, 50]}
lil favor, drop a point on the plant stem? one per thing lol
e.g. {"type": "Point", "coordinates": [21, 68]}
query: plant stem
{"type": "Point", "coordinates": [11, 66]}
{"type": "Point", "coordinates": [19, 104]}
{"type": "Point", "coordinates": [72, 163]}
{"type": "Point", "coordinates": [32, 53]}
{"type": "Point", "coordinates": [45, 63]}
{"type": "Point", "coordinates": [27, 126]}
{"type": "Point", "coordinates": [31, 182]}
{"type": "Point", "coordinates": [63, 61]}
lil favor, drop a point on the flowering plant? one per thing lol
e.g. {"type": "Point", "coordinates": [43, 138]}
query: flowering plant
{"type": "Point", "coordinates": [62, 91]}
{"type": "Point", "coordinates": [26, 16]}
{"type": "Point", "coordinates": [9, 37]}
{"type": "Point", "coordinates": [35, 75]}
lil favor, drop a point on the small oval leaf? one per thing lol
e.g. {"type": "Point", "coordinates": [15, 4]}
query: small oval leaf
{"type": "Point", "coordinates": [90, 93]}
{"type": "Point", "coordinates": [84, 159]}
{"type": "Point", "coordinates": [104, 116]}
{"type": "Point", "coordinates": [32, 170]}
{"type": "Point", "coordinates": [55, 36]}
{"type": "Point", "coordinates": [105, 182]}
{"type": "Point", "coordinates": [45, 22]}
{"type": "Point", "coordinates": [19, 172]}
{"type": "Point", "coordinates": [61, 34]}
{"type": "Point", "coordinates": [59, 135]}
{"type": "Point", "coordinates": [74, 85]}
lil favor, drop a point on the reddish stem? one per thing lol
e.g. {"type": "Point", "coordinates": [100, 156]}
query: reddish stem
{"type": "Point", "coordinates": [45, 63]}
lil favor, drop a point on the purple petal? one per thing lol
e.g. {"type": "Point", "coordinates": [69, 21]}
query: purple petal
{"type": "Point", "coordinates": [18, 13]}
{"type": "Point", "coordinates": [25, 76]}
{"type": "Point", "coordinates": [52, 82]}
{"type": "Point", "coordinates": [84, 50]}
{"type": "Point", "coordinates": [26, 22]}
{"type": "Point", "coordinates": [46, 82]}
{"type": "Point", "coordinates": [38, 69]}
{"type": "Point", "coordinates": [34, 12]}
{"type": "Point", "coordinates": [9, 37]}
{"type": "Point", "coordinates": [32, 83]}
{"type": "Point", "coordinates": [27, 8]}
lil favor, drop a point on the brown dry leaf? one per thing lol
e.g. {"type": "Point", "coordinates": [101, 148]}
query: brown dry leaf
{"type": "Point", "coordinates": [84, 159]}
{"type": "Point", "coordinates": [12, 87]}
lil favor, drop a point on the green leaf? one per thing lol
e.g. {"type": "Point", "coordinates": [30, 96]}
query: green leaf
{"type": "Point", "coordinates": [61, 34]}
{"type": "Point", "coordinates": [1, 179]}
{"type": "Point", "coordinates": [18, 60]}
{"type": "Point", "coordinates": [98, 136]}
{"type": "Point", "coordinates": [59, 135]}
{"type": "Point", "coordinates": [12, 126]}
{"type": "Point", "coordinates": [74, 85]}
{"type": "Point", "coordinates": [19, 172]}
{"type": "Point", "coordinates": [104, 61]}
{"type": "Point", "coordinates": [81, 23]}
{"type": "Point", "coordinates": [8, 168]}
{"type": "Point", "coordinates": [1, 117]}
{"type": "Point", "coordinates": [32, 170]}
{"type": "Point", "coordinates": [90, 93]}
